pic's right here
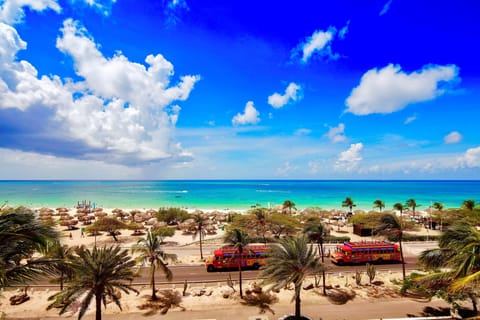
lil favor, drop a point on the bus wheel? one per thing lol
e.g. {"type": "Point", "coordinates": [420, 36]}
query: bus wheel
{"type": "Point", "coordinates": [340, 262]}
{"type": "Point", "coordinates": [256, 266]}
{"type": "Point", "coordinates": [379, 260]}
{"type": "Point", "coordinates": [210, 268]}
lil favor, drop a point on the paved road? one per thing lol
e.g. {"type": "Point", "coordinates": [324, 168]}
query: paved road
{"type": "Point", "coordinates": [199, 274]}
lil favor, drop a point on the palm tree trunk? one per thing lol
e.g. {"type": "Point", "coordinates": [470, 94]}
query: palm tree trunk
{"type": "Point", "coordinates": [152, 282]}
{"type": "Point", "coordinates": [401, 256]}
{"type": "Point", "coordinates": [201, 251]}
{"type": "Point", "coordinates": [323, 270]}
{"type": "Point", "coordinates": [240, 275]}
{"type": "Point", "coordinates": [298, 313]}
{"type": "Point", "coordinates": [98, 306]}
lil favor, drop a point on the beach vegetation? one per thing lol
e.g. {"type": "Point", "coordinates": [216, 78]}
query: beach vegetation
{"type": "Point", "coordinates": [100, 273]}
{"type": "Point", "coordinates": [290, 262]}
{"type": "Point", "coordinates": [399, 207]}
{"type": "Point", "coordinates": [109, 225]}
{"type": "Point", "coordinates": [172, 216]}
{"type": "Point", "coordinates": [288, 205]}
{"type": "Point", "coordinates": [412, 204]}
{"type": "Point", "coordinates": [150, 252]}
{"type": "Point", "coordinates": [163, 232]}
{"type": "Point", "coordinates": [258, 222]}
{"type": "Point", "coordinates": [199, 223]}
{"type": "Point", "coordinates": [239, 240]}
{"type": "Point", "coordinates": [469, 204]}
{"type": "Point", "coordinates": [60, 256]}
{"type": "Point", "coordinates": [21, 236]}
{"type": "Point", "coordinates": [378, 204]}
{"type": "Point", "coordinates": [348, 203]}
{"type": "Point", "coordinates": [454, 267]}
{"type": "Point", "coordinates": [391, 225]}
{"type": "Point", "coordinates": [279, 224]}
{"type": "Point", "coordinates": [316, 232]}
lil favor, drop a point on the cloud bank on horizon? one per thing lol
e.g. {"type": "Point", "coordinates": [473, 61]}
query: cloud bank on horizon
{"type": "Point", "coordinates": [93, 89]}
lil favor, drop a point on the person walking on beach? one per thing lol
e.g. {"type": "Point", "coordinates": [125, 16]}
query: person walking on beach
{"type": "Point", "coordinates": [82, 232]}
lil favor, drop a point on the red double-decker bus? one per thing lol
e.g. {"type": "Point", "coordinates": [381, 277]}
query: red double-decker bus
{"type": "Point", "coordinates": [228, 257]}
{"type": "Point", "coordinates": [366, 251]}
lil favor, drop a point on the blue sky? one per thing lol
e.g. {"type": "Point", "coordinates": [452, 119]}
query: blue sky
{"type": "Point", "coordinates": [184, 89]}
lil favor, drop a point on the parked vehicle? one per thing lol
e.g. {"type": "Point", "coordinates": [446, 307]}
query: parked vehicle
{"type": "Point", "coordinates": [228, 257]}
{"type": "Point", "coordinates": [366, 251]}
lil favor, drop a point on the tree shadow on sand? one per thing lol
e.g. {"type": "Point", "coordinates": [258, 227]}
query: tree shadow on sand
{"type": "Point", "coordinates": [340, 296]}
{"type": "Point", "coordinates": [257, 298]}
{"type": "Point", "coordinates": [166, 300]}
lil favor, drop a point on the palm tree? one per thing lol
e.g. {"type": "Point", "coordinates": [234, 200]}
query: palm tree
{"type": "Point", "coordinates": [287, 204]}
{"type": "Point", "coordinates": [317, 232]}
{"type": "Point", "coordinates": [439, 207]}
{"type": "Point", "coordinates": [379, 204]}
{"type": "Point", "coordinates": [150, 251]}
{"type": "Point", "coordinates": [348, 203]}
{"type": "Point", "coordinates": [291, 262]}
{"type": "Point", "coordinates": [468, 204]}
{"type": "Point", "coordinates": [398, 206]}
{"type": "Point", "coordinates": [199, 222]}
{"type": "Point", "coordinates": [22, 235]}
{"type": "Point", "coordinates": [411, 203]}
{"type": "Point", "coordinates": [391, 225]}
{"type": "Point", "coordinates": [99, 273]}
{"type": "Point", "coordinates": [458, 257]}
{"type": "Point", "coordinates": [60, 256]}
{"type": "Point", "coordinates": [239, 240]}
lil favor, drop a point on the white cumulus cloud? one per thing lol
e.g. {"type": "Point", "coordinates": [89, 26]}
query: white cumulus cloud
{"type": "Point", "coordinates": [348, 160]}
{"type": "Point", "coordinates": [452, 137]}
{"type": "Point", "coordinates": [390, 89]}
{"type": "Point", "coordinates": [249, 116]}
{"type": "Point", "coordinates": [12, 11]}
{"type": "Point", "coordinates": [278, 100]}
{"type": "Point", "coordinates": [471, 158]}
{"type": "Point", "coordinates": [337, 134]}
{"type": "Point", "coordinates": [122, 112]}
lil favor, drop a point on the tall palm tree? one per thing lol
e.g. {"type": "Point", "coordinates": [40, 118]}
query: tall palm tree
{"type": "Point", "coordinates": [99, 273]}
{"type": "Point", "coordinates": [150, 251]}
{"type": "Point", "coordinates": [239, 240]}
{"type": "Point", "coordinates": [317, 232]}
{"type": "Point", "coordinates": [398, 206]}
{"type": "Point", "coordinates": [391, 225]}
{"type": "Point", "coordinates": [22, 235]}
{"type": "Point", "coordinates": [468, 204]}
{"type": "Point", "coordinates": [199, 221]}
{"type": "Point", "coordinates": [348, 203]}
{"type": "Point", "coordinates": [411, 203]}
{"type": "Point", "coordinates": [456, 261]}
{"type": "Point", "coordinates": [439, 207]}
{"type": "Point", "coordinates": [378, 204]}
{"type": "Point", "coordinates": [288, 204]}
{"type": "Point", "coordinates": [291, 262]}
{"type": "Point", "coordinates": [60, 256]}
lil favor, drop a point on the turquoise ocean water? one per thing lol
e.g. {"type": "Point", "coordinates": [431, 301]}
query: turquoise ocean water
{"type": "Point", "coordinates": [234, 194]}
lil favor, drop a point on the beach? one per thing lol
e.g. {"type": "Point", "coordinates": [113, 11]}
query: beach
{"type": "Point", "coordinates": [369, 302]}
